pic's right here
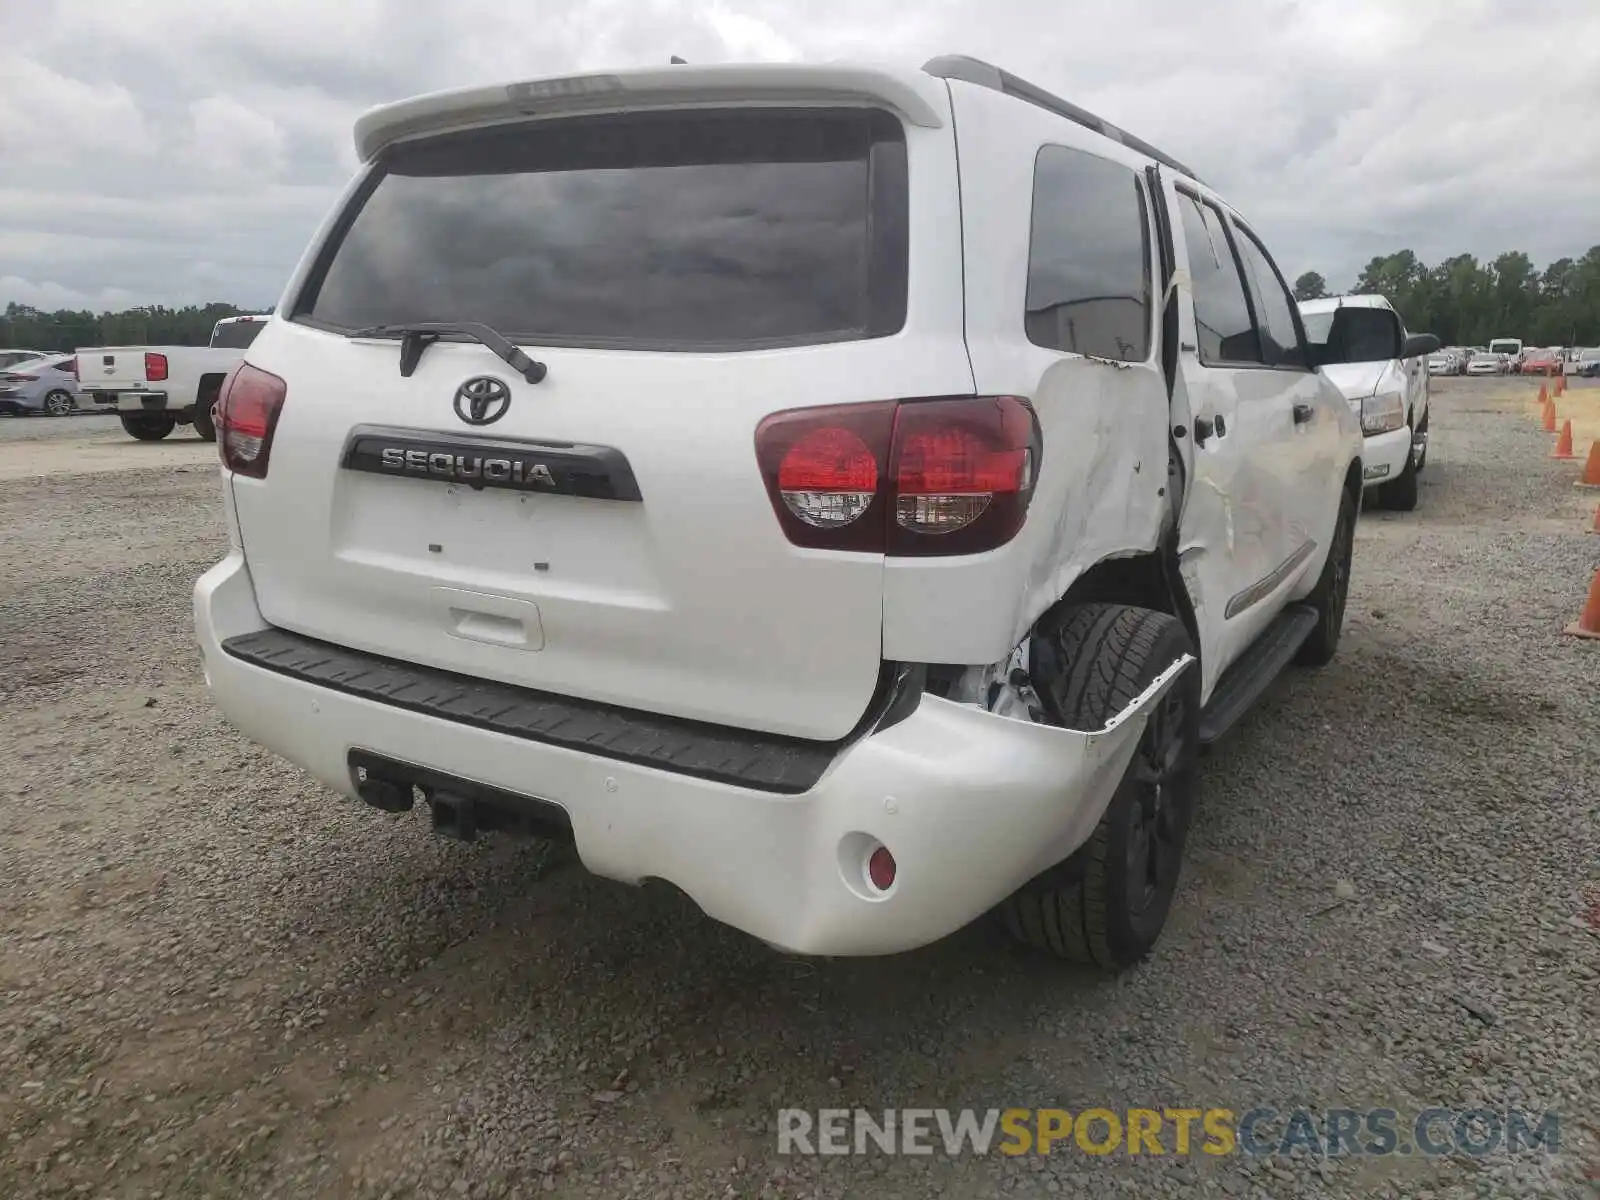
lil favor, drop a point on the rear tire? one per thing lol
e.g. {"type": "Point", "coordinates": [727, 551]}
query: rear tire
{"type": "Point", "coordinates": [1332, 590]}
{"type": "Point", "coordinates": [205, 417]}
{"type": "Point", "coordinates": [1108, 904]}
{"type": "Point", "coordinates": [59, 403]}
{"type": "Point", "coordinates": [148, 427]}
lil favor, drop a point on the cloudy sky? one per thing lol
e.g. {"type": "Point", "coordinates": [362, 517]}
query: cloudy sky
{"type": "Point", "coordinates": [180, 151]}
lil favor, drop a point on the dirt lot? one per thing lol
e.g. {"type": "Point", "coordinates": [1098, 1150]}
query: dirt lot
{"type": "Point", "coordinates": [218, 980]}
{"type": "Point", "coordinates": [39, 448]}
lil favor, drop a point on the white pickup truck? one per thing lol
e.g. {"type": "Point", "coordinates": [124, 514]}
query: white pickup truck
{"type": "Point", "coordinates": [154, 389]}
{"type": "Point", "coordinates": [1382, 370]}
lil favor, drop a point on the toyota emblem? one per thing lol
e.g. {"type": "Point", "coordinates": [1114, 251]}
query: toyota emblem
{"type": "Point", "coordinates": [482, 400]}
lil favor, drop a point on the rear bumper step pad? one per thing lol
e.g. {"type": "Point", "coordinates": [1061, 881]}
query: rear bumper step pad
{"type": "Point", "coordinates": [744, 758]}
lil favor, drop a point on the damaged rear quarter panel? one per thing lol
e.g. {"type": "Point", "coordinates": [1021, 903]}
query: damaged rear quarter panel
{"type": "Point", "coordinates": [1101, 482]}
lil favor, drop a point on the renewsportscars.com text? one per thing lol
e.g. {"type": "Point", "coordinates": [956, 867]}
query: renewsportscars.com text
{"type": "Point", "coordinates": [1259, 1131]}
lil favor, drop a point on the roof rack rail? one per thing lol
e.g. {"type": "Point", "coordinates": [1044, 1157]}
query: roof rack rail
{"type": "Point", "coordinates": [976, 71]}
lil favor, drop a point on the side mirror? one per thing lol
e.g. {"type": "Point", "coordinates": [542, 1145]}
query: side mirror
{"type": "Point", "coordinates": [1419, 344]}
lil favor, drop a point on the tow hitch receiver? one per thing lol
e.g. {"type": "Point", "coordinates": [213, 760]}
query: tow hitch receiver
{"type": "Point", "coordinates": [461, 808]}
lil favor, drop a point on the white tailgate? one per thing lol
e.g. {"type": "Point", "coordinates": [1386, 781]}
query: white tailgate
{"type": "Point", "coordinates": [112, 368]}
{"type": "Point", "coordinates": [689, 601]}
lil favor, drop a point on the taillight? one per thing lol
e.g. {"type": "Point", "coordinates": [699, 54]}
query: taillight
{"type": "Point", "coordinates": [912, 477]}
{"type": "Point", "coordinates": [961, 466]}
{"type": "Point", "coordinates": [155, 366]}
{"type": "Point", "coordinates": [246, 415]}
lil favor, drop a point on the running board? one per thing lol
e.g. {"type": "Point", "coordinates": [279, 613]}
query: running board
{"type": "Point", "coordinates": [1242, 684]}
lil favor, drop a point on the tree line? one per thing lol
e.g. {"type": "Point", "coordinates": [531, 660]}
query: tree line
{"type": "Point", "coordinates": [1466, 303]}
{"type": "Point", "coordinates": [25, 328]}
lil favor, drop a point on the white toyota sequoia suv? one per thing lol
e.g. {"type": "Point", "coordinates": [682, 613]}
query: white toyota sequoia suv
{"type": "Point", "coordinates": [852, 495]}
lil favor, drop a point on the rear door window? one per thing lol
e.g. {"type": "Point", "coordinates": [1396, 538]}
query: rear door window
{"type": "Point", "coordinates": [1227, 335]}
{"type": "Point", "coordinates": [1088, 257]}
{"type": "Point", "coordinates": [715, 229]}
{"type": "Point", "coordinates": [1280, 337]}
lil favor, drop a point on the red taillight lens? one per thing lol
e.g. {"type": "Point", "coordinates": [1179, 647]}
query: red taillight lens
{"type": "Point", "coordinates": [155, 366]}
{"type": "Point", "coordinates": [957, 462]}
{"type": "Point", "coordinates": [828, 477]}
{"type": "Point", "coordinates": [825, 469]}
{"type": "Point", "coordinates": [246, 416]}
{"type": "Point", "coordinates": [914, 477]}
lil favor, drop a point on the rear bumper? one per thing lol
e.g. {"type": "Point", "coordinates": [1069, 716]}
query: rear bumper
{"type": "Point", "coordinates": [970, 804]}
{"type": "Point", "coordinates": [132, 402]}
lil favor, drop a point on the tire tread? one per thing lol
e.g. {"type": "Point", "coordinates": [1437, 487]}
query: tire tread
{"type": "Point", "coordinates": [1108, 648]}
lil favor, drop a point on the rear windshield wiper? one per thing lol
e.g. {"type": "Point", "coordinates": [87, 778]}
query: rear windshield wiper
{"type": "Point", "coordinates": [416, 338]}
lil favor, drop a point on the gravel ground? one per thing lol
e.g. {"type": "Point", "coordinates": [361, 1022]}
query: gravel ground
{"type": "Point", "coordinates": [215, 979]}
{"type": "Point", "coordinates": [90, 443]}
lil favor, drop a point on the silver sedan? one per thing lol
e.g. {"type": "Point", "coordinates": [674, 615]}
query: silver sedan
{"type": "Point", "coordinates": [42, 385]}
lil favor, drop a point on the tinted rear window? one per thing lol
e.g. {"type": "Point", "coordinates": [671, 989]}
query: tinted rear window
{"type": "Point", "coordinates": [671, 230]}
{"type": "Point", "coordinates": [236, 335]}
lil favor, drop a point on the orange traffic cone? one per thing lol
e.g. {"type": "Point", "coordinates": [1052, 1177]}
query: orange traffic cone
{"type": "Point", "coordinates": [1564, 442]}
{"type": "Point", "coordinates": [1544, 395]}
{"type": "Point", "coordinates": [1591, 469]}
{"type": "Point", "coordinates": [1588, 623]}
{"type": "Point", "coordinates": [1549, 416]}
{"type": "Point", "coordinates": [1561, 385]}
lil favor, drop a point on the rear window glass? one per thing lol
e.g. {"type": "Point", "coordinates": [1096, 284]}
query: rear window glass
{"type": "Point", "coordinates": [236, 335]}
{"type": "Point", "coordinates": [669, 230]}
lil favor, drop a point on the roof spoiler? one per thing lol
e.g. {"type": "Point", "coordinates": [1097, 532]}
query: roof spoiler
{"type": "Point", "coordinates": [658, 87]}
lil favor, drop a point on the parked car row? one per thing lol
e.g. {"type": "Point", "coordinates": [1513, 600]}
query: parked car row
{"type": "Point", "coordinates": [1452, 360]}
{"type": "Point", "coordinates": [1507, 356]}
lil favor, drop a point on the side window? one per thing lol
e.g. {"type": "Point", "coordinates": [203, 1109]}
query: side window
{"type": "Point", "coordinates": [1221, 312]}
{"type": "Point", "coordinates": [1280, 341]}
{"type": "Point", "coordinates": [1088, 258]}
